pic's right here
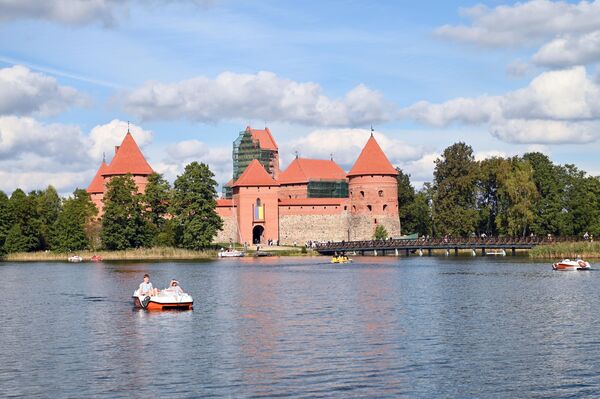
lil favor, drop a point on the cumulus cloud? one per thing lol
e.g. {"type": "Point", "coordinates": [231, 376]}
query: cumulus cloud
{"type": "Point", "coordinates": [346, 144]}
{"type": "Point", "coordinates": [179, 154]}
{"type": "Point", "coordinates": [75, 12]}
{"type": "Point", "coordinates": [523, 23]}
{"type": "Point", "coordinates": [103, 138]}
{"type": "Point", "coordinates": [23, 92]}
{"type": "Point", "coordinates": [34, 154]}
{"type": "Point", "coordinates": [263, 96]}
{"type": "Point", "coordinates": [569, 50]}
{"type": "Point", "coordinates": [556, 107]}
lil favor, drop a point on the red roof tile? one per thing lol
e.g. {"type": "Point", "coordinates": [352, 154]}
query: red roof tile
{"type": "Point", "coordinates": [301, 170]}
{"type": "Point", "coordinates": [128, 159]}
{"type": "Point", "coordinates": [264, 138]}
{"type": "Point", "coordinates": [372, 161]}
{"type": "Point", "coordinates": [312, 201]}
{"type": "Point", "coordinates": [255, 175]}
{"type": "Point", "coordinates": [97, 184]}
{"type": "Point", "coordinates": [224, 202]}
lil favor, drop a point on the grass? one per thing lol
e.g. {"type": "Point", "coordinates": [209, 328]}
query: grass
{"type": "Point", "coordinates": [130, 254]}
{"type": "Point", "coordinates": [566, 250]}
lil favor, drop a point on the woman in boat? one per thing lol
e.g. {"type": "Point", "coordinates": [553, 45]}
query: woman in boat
{"type": "Point", "coordinates": [146, 288]}
{"type": "Point", "coordinates": [174, 288]}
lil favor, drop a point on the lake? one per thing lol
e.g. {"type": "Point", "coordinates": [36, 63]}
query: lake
{"type": "Point", "coordinates": [415, 327]}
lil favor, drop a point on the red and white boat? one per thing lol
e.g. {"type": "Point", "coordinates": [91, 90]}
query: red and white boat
{"type": "Point", "coordinates": [568, 264]}
{"type": "Point", "coordinates": [163, 301]}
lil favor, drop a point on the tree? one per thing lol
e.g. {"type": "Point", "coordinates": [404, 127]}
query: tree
{"type": "Point", "coordinates": [157, 199]}
{"type": "Point", "coordinates": [123, 223]}
{"type": "Point", "coordinates": [194, 207]}
{"type": "Point", "coordinates": [69, 230]}
{"type": "Point", "coordinates": [517, 195]}
{"type": "Point", "coordinates": [492, 172]}
{"type": "Point", "coordinates": [23, 210]}
{"type": "Point", "coordinates": [455, 176]}
{"type": "Point", "coordinates": [5, 219]}
{"type": "Point", "coordinates": [380, 233]}
{"type": "Point", "coordinates": [48, 208]}
{"type": "Point", "coordinates": [16, 241]}
{"type": "Point", "coordinates": [417, 215]}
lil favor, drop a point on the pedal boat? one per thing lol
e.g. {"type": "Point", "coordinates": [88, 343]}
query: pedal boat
{"type": "Point", "coordinates": [341, 259]}
{"type": "Point", "coordinates": [163, 301]}
{"type": "Point", "coordinates": [230, 253]}
{"type": "Point", "coordinates": [568, 264]}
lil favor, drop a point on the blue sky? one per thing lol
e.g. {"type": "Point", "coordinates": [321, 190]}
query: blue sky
{"type": "Point", "coordinates": [505, 77]}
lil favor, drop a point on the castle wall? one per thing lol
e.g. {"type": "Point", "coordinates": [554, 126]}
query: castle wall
{"type": "Point", "coordinates": [313, 226]}
{"type": "Point", "coordinates": [293, 191]}
{"type": "Point", "coordinates": [245, 200]}
{"type": "Point", "coordinates": [229, 232]}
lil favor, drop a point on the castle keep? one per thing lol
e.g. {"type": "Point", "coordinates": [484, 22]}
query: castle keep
{"type": "Point", "coordinates": [311, 200]}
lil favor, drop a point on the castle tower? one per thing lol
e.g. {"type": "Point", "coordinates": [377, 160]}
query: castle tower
{"type": "Point", "coordinates": [96, 187]}
{"type": "Point", "coordinates": [255, 196]}
{"type": "Point", "coordinates": [373, 194]}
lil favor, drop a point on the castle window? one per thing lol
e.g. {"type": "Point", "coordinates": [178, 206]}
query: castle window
{"type": "Point", "coordinates": [290, 196]}
{"type": "Point", "coordinates": [370, 208]}
{"type": "Point", "coordinates": [354, 207]}
{"type": "Point", "coordinates": [345, 208]}
{"type": "Point", "coordinates": [375, 221]}
{"type": "Point", "coordinates": [381, 193]}
{"type": "Point", "coordinates": [362, 194]}
{"type": "Point", "coordinates": [384, 207]}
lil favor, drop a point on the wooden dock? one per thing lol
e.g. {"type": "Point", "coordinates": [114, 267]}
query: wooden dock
{"type": "Point", "coordinates": [425, 246]}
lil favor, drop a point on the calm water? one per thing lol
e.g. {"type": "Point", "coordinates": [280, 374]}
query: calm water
{"type": "Point", "coordinates": [381, 327]}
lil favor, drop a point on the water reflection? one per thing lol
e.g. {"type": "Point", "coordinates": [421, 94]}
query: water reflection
{"type": "Point", "coordinates": [380, 327]}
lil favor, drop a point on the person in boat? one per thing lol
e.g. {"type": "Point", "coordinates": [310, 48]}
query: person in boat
{"type": "Point", "coordinates": [174, 288]}
{"type": "Point", "coordinates": [146, 288]}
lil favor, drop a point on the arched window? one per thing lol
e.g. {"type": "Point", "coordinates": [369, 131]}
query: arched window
{"type": "Point", "coordinates": [257, 202]}
{"type": "Point", "coordinates": [370, 208]}
{"type": "Point", "coordinates": [384, 207]}
{"type": "Point", "coordinates": [381, 193]}
{"type": "Point", "coordinates": [362, 194]}
{"type": "Point", "coordinates": [354, 207]}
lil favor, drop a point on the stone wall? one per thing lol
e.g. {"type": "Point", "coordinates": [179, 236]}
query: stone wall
{"type": "Point", "coordinates": [313, 227]}
{"type": "Point", "coordinates": [229, 231]}
{"type": "Point", "coordinates": [362, 227]}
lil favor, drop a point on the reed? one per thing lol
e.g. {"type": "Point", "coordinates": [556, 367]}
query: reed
{"type": "Point", "coordinates": [566, 250]}
{"type": "Point", "coordinates": [157, 253]}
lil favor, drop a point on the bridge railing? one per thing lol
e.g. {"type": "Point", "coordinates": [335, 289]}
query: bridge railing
{"type": "Point", "coordinates": [446, 242]}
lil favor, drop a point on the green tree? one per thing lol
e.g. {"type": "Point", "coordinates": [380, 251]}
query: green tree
{"type": "Point", "coordinates": [5, 219]}
{"type": "Point", "coordinates": [454, 201]}
{"type": "Point", "coordinates": [69, 230]}
{"type": "Point", "coordinates": [156, 199]}
{"type": "Point", "coordinates": [492, 172]}
{"type": "Point", "coordinates": [417, 215]}
{"type": "Point", "coordinates": [194, 207]}
{"type": "Point", "coordinates": [49, 206]}
{"type": "Point", "coordinates": [380, 233]}
{"type": "Point", "coordinates": [123, 223]}
{"type": "Point", "coordinates": [517, 195]}
{"type": "Point", "coordinates": [23, 210]}
{"type": "Point", "coordinates": [16, 241]}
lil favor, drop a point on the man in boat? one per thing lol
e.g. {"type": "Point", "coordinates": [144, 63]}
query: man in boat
{"type": "Point", "coordinates": [146, 288]}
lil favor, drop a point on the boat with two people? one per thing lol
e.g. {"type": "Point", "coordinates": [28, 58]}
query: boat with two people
{"type": "Point", "coordinates": [341, 259]}
{"type": "Point", "coordinates": [171, 298]}
{"type": "Point", "coordinates": [567, 264]}
{"type": "Point", "coordinates": [75, 259]}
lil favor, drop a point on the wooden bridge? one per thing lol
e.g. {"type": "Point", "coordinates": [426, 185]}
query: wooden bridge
{"type": "Point", "coordinates": [423, 246]}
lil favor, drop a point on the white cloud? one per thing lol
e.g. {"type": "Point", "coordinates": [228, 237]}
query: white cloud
{"type": "Point", "coordinates": [420, 170]}
{"type": "Point", "coordinates": [481, 155]}
{"type": "Point", "coordinates": [517, 69]}
{"type": "Point", "coordinates": [23, 92]}
{"type": "Point", "coordinates": [184, 152]}
{"type": "Point", "coordinates": [345, 145]}
{"type": "Point", "coordinates": [77, 12]}
{"type": "Point", "coordinates": [261, 96]}
{"type": "Point", "coordinates": [569, 50]}
{"type": "Point", "coordinates": [104, 138]}
{"type": "Point", "coordinates": [34, 154]}
{"type": "Point", "coordinates": [524, 22]}
{"type": "Point", "coordinates": [556, 107]}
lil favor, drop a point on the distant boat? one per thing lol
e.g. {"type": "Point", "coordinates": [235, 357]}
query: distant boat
{"type": "Point", "coordinates": [568, 264]}
{"type": "Point", "coordinates": [230, 253]}
{"type": "Point", "coordinates": [341, 259]}
{"type": "Point", "coordinates": [75, 259]}
{"type": "Point", "coordinates": [96, 258]}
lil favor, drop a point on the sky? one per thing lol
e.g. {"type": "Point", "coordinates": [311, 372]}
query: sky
{"type": "Point", "coordinates": [189, 75]}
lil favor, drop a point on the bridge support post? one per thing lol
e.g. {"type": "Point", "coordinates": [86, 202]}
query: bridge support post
{"type": "Point", "coordinates": [514, 251]}
{"type": "Point", "coordinates": [483, 251]}
{"type": "Point", "coordinates": [428, 251]}
{"type": "Point", "coordinates": [455, 251]}
{"type": "Point", "coordinates": [374, 252]}
{"type": "Point", "coordinates": [407, 252]}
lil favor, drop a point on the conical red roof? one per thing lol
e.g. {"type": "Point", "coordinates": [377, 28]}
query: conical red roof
{"type": "Point", "coordinates": [128, 159]}
{"type": "Point", "coordinates": [255, 175]}
{"type": "Point", "coordinates": [372, 161]}
{"type": "Point", "coordinates": [97, 184]}
{"type": "Point", "coordinates": [264, 137]}
{"type": "Point", "coordinates": [301, 170]}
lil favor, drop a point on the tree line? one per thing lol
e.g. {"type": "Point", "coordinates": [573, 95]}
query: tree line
{"type": "Point", "coordinates": [181, 216]}
{"type": "Point", "coordinates": [514, 196]}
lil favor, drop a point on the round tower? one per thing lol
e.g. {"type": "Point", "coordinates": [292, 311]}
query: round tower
{"type": "Point", "coordinates": [373, 194]}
